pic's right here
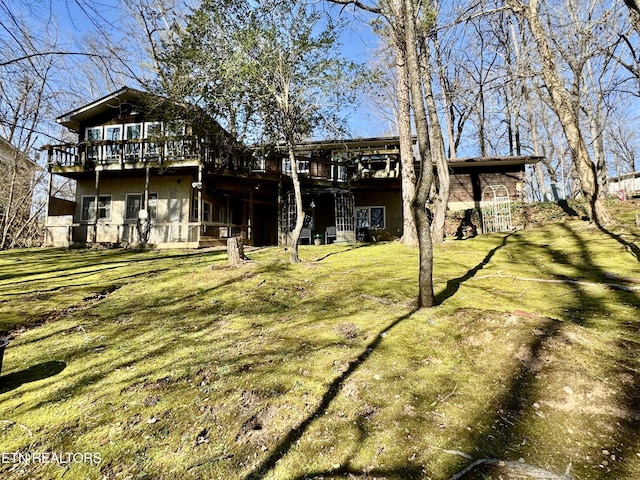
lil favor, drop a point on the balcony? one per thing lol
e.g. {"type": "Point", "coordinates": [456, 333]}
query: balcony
{"type": "Point", "coordinates": [120, 152]}
{"type": "Point", "coordinates": [376, 166]}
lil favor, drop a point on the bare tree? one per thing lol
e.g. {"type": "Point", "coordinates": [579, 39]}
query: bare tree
{"type": "Point", "coordinates": [564, 106]}
{"type": "Point", "coordinates": [27, 66]}
{"type": "Point", "coordinates": [634, 13]}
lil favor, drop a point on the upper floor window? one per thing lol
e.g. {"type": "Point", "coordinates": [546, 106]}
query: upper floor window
{"type": "Point", "coordinates": [93, 134]}
{"type": "Point", "coordinates": [175, 147]}
{"type": "Point", "coordinates": [132, 131]}
{"type": "Point", "coordinates": [153, 131]}
{"type": "Point", "coordinates": [303, 166]}
{"type": "Point", "coordinates": [113, 136]}
{"type": "Point", "coordinates": [258, 164]}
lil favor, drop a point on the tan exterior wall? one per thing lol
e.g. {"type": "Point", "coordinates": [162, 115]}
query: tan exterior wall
{"type": "Point", "coordinates": [391, 200]}
{"type": "Point", "coordinates": [171, 224]}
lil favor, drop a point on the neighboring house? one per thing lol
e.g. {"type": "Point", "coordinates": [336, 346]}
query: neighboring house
{"type": "Point", "coordinates": [17, 177]}
{"type": "Point", "coordinates": [151, 171]}
{"type": "Point", "coordinates": [625, 186]}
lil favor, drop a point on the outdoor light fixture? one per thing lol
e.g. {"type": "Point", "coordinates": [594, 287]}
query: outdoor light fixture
{"type": "Point", "coordinates": [197, 185]}
{"type": "Point", "coordinates": [312, 204]}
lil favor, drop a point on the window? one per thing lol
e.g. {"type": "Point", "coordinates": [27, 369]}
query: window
{"type": "Point", "coordinates": [206, 212]}
{"type": "Point", "coordinates": [89, 208]}
{"type": "Point", "coordinates": [133, 131]}
{"type": "Point", "coordinates": [370, 217]}
{"type": "Point", "coordinates": [259, 164]}
{"type": "Point", "coordinates": [93, 134]}
{"type": "Point", "coordinates": [113, 135]}
{"type": "Point", "coordinates": [152, 208]}
{"type": "Point", "coordinates": [303, 166]}
{"type": "Point", "coordinates": [153, 132]}
{"type": "Point", "coordinates": [175, 146]}
{"type": "Point", "coordinates": [133, 205]}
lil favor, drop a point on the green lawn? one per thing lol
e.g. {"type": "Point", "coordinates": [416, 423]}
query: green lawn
{"type": "Point", "coordinates": [169, 365]}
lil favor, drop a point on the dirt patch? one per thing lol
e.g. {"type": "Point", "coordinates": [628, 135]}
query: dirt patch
{"type": "Point", "coordinates": [258, 429]}
{"type": "Point", "coordinates": [159, 384]}
{"type": "Point", "coordinates": [55, 315]}
{"type": "Point", "coordinates": [349, 331]}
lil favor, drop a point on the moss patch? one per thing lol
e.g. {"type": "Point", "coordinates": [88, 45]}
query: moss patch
{"type": "Point", "coordinates": [171, 365]}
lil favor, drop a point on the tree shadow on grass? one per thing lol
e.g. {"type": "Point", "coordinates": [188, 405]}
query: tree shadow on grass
{"type": "Point", "coordinates": [505, 435]}
{"type": "Point", "coordinates": [351, 248]}
{"type": "Point", "coordinates": [453, 285]}
{"type": "Point", "coordinates": [332, 392]}
{"type": "Point", "coordinates": [32, 374]}
{"type": "Point", "coordinates": [631, 247]}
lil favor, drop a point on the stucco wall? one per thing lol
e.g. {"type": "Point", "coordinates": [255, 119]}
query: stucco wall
{"type": "Point", "coordinates": [392, 201]}
{"type": "Point", "coordinates": [170, 224]}
{"type": "Point", "coordinates": [173, 196]}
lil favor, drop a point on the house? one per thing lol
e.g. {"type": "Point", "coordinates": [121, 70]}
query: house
{"type": "Point", "coordinates": [625, 186]}
{"type": "Point", "coordinates": [149, 171]}
{"type": "Point", "coordinates": [17, 178]}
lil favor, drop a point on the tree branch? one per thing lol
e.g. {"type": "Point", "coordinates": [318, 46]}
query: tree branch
{"type": "Point", "coordinates": [358, 4]}
{"type": "Point", "coordinates": [44, 54]}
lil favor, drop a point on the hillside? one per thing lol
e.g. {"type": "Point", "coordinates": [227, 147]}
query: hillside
{"type": "Point", "coordinates": [170, 365]}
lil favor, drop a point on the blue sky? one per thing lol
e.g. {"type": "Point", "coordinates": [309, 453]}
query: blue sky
{"type": "Point", "coordinates": [75, 20]}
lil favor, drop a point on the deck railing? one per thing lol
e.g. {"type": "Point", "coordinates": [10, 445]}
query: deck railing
{"type": "Point", "coordinates": [123, 151]}
{"type": "Point", "coordinates": [188, 148]}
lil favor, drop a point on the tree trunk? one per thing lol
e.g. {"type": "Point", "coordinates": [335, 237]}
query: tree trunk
{"type": "Point", "coordinates": [235, 251]}
{"type": "Point", "coordinates": [422, 218]}
{"type": "Point", "coordinates": [407, 171]}
{"type": "Point", "coordinates": [564, 109]}
{"type": "Point", "coordinates": [438, 154]}
{"type": "Point", "coordinates": [297, 191]}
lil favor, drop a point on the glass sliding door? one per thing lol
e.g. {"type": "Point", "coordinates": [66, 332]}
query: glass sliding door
{"type": "Point", "coordinates": [113, 136]}
{"type": "Point", "coordinates": [133, 137]}
{"type": "Point", "coordinates": [153, 134]}
{"type": "Point", "coordinates": [91, 136]}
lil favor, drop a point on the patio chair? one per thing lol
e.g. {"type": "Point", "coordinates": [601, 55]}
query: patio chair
{"type": "Point", "coordinates": [305, 234]}
{"type": "Point", "coordinates": [330, 235]}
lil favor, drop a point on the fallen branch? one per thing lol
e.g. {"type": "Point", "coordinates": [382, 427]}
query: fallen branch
{"type": "Point", "coordinates": [217, 458]}
{"type": "Point", "coordinates": [614, 286]}
{"type": "Point", "coordinates": [618, 278]}
{"type": "Point", "coordinates": [516, 469]}
{"type": "Point", "coordinates": [24, 427]}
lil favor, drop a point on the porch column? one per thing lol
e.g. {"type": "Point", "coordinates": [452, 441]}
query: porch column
{"type": "Point", "coordinates": [49, 183]}
{"type": "Point", "coordinates": [97, 199]}
{"type": "Point", "coordinates": [200, 205]}
{"type": "Point", "coordinates": [279, 214]}
{"type": "Point", "coordinates": [46, 211]}
{"type": "Point", "coordinates": [250, 219]}
{"type": "Point", "coordinates": [145, 204]}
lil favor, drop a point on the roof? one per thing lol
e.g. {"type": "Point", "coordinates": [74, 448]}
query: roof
{"type": "Point", "coordinates": [74, 118]}
{"type": "Point", "coordinates": [496, 160]}
{"type": "Point", "coordinates": [356, 144]}
{"type": "Point", "coordinates": [4, 144]}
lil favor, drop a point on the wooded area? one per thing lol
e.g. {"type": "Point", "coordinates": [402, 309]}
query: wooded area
{"type": "Point", "coordinates": [555, 78]}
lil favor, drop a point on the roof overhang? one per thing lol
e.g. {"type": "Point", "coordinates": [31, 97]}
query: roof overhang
{"type": "Point", "coordinates": [495, 161]}
{"type": "Point", "coordinates": [73, 119]}
{"type": "Point", "coordinates": [8, 147]}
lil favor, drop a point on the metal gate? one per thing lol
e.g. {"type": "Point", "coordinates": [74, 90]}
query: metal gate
{"type": "Point", "coordinates": [496, 209]}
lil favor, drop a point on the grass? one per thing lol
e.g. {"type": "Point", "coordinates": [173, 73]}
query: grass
{"type": "Point", "coordinates": [166, 365]}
